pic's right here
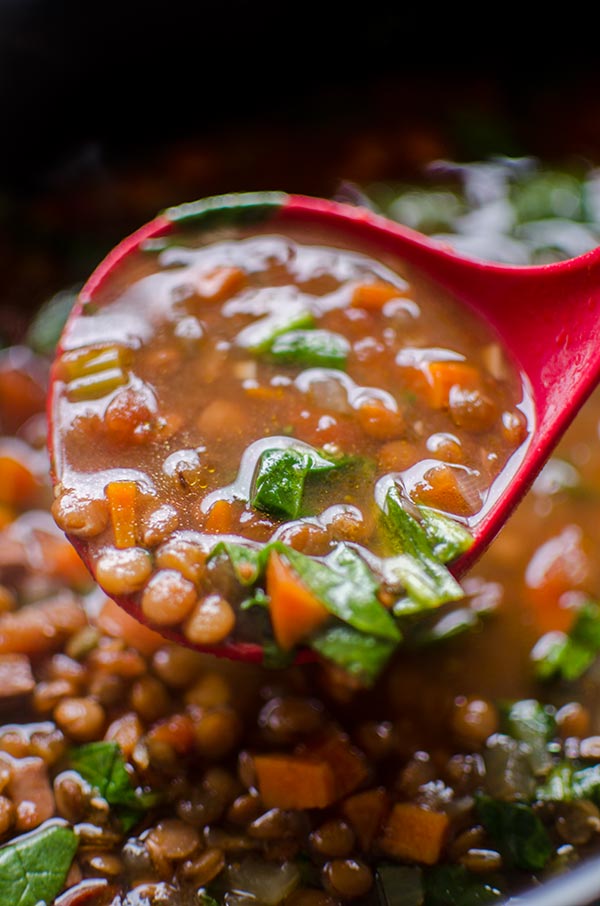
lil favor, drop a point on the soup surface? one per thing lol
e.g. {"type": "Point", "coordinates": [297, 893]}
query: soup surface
{"type": "Point", "coordinates": [134, 772]}
{"type": "Point", "coordinates": [260, 438]}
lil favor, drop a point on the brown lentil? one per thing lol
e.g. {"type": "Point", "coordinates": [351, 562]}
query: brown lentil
{"type": "Point", "coordinates": [149, 698]}
{"type": "Point", "coordinates": [7, 815]}
{"type": "Point", "coordinates": [209, 691]}
{"type": "Point", "coordinates": [80, 718]}
{"type": "Point", "coordinates": [205, 867]}
{"type": "Point", "coordinates": [168, 598]}
{"type": "Point", "coordinates": [216, 731]}
{"type": "Point", "coordinates": [79, 517]}
{"type": "Point", "coordinates": [473, 720]}
{"type": "Point", "coordinates": [184, 557]}
{"type": "Point", "coordinates": [573, 719]}
{"type": "Point", "coordinates": [175, 666]}
{"type": "Point", "coordinates": [210, 622]}
{"type": "Point", "coordinates": [121, 572]}
{"type": "Point", "coordinates": [173, 839]}
{"type": "Point", "coordinates": [481, 860]}
{"type": "Point", "coordinates": [333, 840]}
{"type": "Point", "coordinates": [347, 878]}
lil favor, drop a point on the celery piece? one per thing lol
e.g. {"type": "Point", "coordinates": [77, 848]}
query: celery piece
{"type": "Point", "coordinates": [93, 386]}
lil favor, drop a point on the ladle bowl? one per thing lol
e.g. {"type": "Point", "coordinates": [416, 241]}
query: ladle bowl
{"type": "Point", "coordinates": [546, 317]}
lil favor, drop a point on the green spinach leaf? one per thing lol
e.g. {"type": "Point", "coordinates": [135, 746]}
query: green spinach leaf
{"type": "Point", "coordinates": [362, 656]}
{"type": "Point", "coordinates": [102, 765]}
{"type": "Point", "coordinates": [33, 868]}
{"type": "Point", "coordinates": [279, 480]}
{"type": "Point", "coordinates": [347, 588]}
{"type": "Point", "coordinates": [248, 562]}
{"type": "Point", "coordinates": [517, 831]}
{"type": "Point", "coordinates": [427, 581]}
{"type": "Point", "coordinates": [561, 656]}
{"type": "Point", "coordinates": [448, 539]}
{"type": "Point", "coordinates": [311, 348]}
{"type": "Point", "coordinates": [259, 336]}
{"type": "Point", "coordinates": [454, 885]}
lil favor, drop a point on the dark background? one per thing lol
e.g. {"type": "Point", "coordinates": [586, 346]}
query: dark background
{"type": "Point", "coordinates": [111, 111]}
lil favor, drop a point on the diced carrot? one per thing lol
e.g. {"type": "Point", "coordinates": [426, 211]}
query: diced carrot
{"type": "Point", "coordinates": [448, 489]}
{"type": "Point", "coordinates": [220, 518]}
{"type": "Point", "coordinates": [558, 566]}
{"type": "Point", "coordinates": [266, 394]}
{"type": "Point", "coordinates": [414, 834]}
{"type": "Point", "coordinates": [373, 296]}
{"type": "Point", "coordinates": [295, 612]}
{"type": "Point", "coordinates": [442, 376]}
{"type": "Point", "coordinates": [18, 484]}
{"type": "Point", "coordinates": [294, 782]}
{"type": "Point", "coordinates": [41, 627]}
{"type": "Point", "coordinates": [122, 496]}
{"type": "Point", "coordinates": [116, 622]}
{"type": "Point", "coordinates": [348, 763]}
{"type": "Point", "coordinates": [380, 422]}
{"type": "Point", "coordinates": [365, 813]}
{"type": "Point", "coordinates": [221, 283]}
{"type": "Point", "coordinates": [63, 562]}
{"type": "Point", "coordinates": [7, 515]}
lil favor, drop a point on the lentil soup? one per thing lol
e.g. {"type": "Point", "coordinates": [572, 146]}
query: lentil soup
{"type": "Point", "coordinates": [135, 772]}
{"type": "Point", "coordinates": [266, 437]}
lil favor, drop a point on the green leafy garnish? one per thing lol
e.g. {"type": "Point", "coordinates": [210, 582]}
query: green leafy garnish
{"type": "Point", "coordinates": [362, 656]}
{"type": "Point", "coordinates": [259, 336]}
{"type": "Point", "coordinates": [279, 479]}
{"type": "Point", "coordinates": [427, 581]}
{"type": "Point", "coordinates": [448, 539]}
{"type": "Point", "coordinates": [558, 655]}
{"type": "Point", "coordinates": [275, 658]}
{"type": "Point", "coordinates": [45, 329]}
{"type": "Point", "coordinates": [530, 722]}
{"type": "Point", "coordinates": [311, 348]}
{"type": "Point", "coordinates": [567, 783]}
{"type": "Point", "coordinates": [102, 765]}
{"type": "Point", "coordinates": [400, 885]}
{"type": "Point", "coordinates": [347, 588]}
{"type": "Point", "coordinates": [33, 868]}
{"type": "Point", "coordinates": [454, 885]}
{"type": "Point", "coordinates": [248, 562]}
{"type": "Point", "coordinates": [517, 832]}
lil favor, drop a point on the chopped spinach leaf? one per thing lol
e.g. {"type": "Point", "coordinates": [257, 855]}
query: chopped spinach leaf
{"type": "Point", "coordinates": [561, 656]}
{"type": "Point", "coordinates": [102, 765]}
{"type": "Point", "coordinates": [517, 831]}
{"type": "Point", "coordinates": [400, 885]}
{"type": "Point", "coordinates": [258, 599]}
{"type": "Point", "coordinates": [347, 588]}
{"type": "Point", "coordinates": [362, 656]}
{"type": "Point", "coordinates": [279, 480]}
{"type": "Point", "coordinates": [33, 868]}
{"type": "Point", "coordinates": [45, 329]}
{"type": "Point", "coordinates": [311, 348]}
{"type": "Point", "coordinates": [454, 885]}
{"type": "Point", "coordinates": [448, 538]}
{"type": "Point", "coordinates": [427, 581]}
{"type": "Point", "coordinates": [275, 658]}
{"type": "Point", "coordinates": [248, 563]}
{"type": "Point", "coordinates": [260, 335]}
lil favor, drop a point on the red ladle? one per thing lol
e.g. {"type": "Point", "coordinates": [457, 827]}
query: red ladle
{"type": "Point", "coordinates": [547, 317]}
